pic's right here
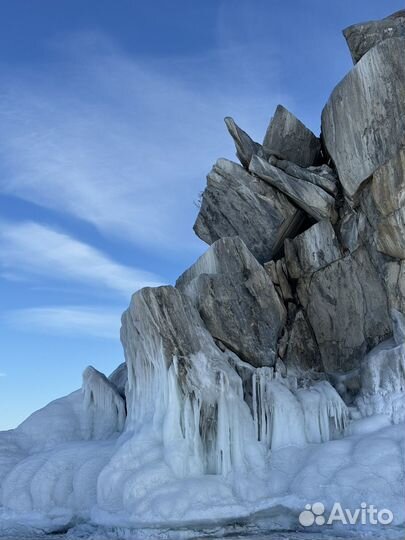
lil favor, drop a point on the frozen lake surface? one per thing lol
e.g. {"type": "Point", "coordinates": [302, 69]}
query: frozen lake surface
{"type": "Point", "coordinates": [389, 535]}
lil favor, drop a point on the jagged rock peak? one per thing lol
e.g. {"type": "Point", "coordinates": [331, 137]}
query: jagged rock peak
{"type": "Point", "coordinates": [364, 36]}
{"type": "Point", "coordinates": [245, 146]}
{"type": "Point", "coordinates": [288, 138]}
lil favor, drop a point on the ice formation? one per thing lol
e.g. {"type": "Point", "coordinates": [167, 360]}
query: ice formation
{"type": "Point", "coordinates": [104, 408]}
{"type": "Point", "coordinates": [383, 381]}
{"type": "Point", "coordinates": [272, 375]}
{"type": "Point", "coordinates": [315, 414]}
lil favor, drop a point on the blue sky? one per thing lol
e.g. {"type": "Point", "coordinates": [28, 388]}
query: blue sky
{"type": "Point", "coordinates": [111, 114]}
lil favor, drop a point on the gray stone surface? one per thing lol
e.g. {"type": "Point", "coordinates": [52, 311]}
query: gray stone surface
{"type": "Point", "coordinates": [388, 191]}
{"type": "Point", "coordinates": [394, 279]}
{"type": "Point", "coordinates": [391, 234]}
{"type": "Point", "coordinates": [236, 300]}
{"type": "Point", "coordinates": [324, 181]}
{"type": "Point", "coordinates": [312, 250]}
{"type": "Point", "coordinates": [388, 184]}
{"type": "Point", "coordinates": [167, 318]}
{"type": "Point", "coordinates": [245, 146]}
{"type": "Point", "coordinates": [235, 203]}
{"type": "Point", "coordinates": [302, 350]}
{"type": "Point", "coordinates": [312, 199]}
{"type": "Point", "coordinates": [347, 308]}
{"type": "Point", "coordinates": [288, 138]}
{"type": "Point", "coordinates": [362, 37]}
{"type": "Point", "coordinates": [398, 327]}
{"type": "Point", "coordinates": [351, 228]}
{"type": "Point", "coordinates": [363, 123]}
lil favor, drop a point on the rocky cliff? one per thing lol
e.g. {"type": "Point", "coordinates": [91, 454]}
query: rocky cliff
{"type": "Point", "coordinates": [283, 335]}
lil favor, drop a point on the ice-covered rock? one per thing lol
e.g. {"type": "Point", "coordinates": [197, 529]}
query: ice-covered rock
{"type": "Point", "coordinates": [181, 385]}
{"type": "Point", "coordinates": [236, 300]}
{"type": "Point", "coordinates": [119, 378]}
{"type": "Point", "coordinates": [104, 408]}
{"type": "Point", "coordinates": [315, 414]}
{"type": "Point", "coordinates": [235, 203]}
{"type": "Point", "coordinates": [232, 405]}
{"type": "Point", "coordinates": [288, 138]}
{"type": "Point", "coordinates": [383, 381]}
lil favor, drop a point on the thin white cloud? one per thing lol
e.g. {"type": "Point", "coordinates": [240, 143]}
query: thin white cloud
{"type": "Point", "coordinates": [125, 143]}
{"type": "Point", "coordinates": [30, 249]}
{"type": "Point", "coordinates": [79, 321]}
{"type": "Point", "coordinates": [2, 375]}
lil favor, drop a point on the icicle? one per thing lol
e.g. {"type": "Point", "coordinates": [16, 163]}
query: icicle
{"type": "Point", "coordinates": [285, 415]}
{"type": "Point", "coordinates": [324, 411]}
{"type": "Point", "coordinates": [181, 437]}
{"type": "Point", "coordinates": [224, 460]}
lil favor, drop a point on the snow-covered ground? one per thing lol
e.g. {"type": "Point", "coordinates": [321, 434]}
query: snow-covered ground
{"type": "Point", "coordinates": [75, 463]}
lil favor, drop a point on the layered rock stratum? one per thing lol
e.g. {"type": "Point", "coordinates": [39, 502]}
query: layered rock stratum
{"type": "Point", "coordinates": [272, 374]}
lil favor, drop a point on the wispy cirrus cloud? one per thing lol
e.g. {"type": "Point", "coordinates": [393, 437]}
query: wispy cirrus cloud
{"type": "Point", "coordinates": [125, 142]}
{"type": "Point", "coordinates": [29, 249]}
{"type": "Point", "coordinates": [78, 321]}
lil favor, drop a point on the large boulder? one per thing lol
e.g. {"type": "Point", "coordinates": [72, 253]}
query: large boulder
{"type": "Point", "coordinates": [235, 203]}
{"type": "Point", "coordinates": [288, 138]}
{"type": "Point", "coordinates": [364, 36]}
{"type": "Point", "coordinates": [179, 384]}
{"type": "Point", "coordinates": [237, 301]}
{"type": "Point", "coordinates": [363, 123]}
{"type": "Point", "coordinates": [347, 308]}
{"type": "Point", "coordinates": [311, 198]}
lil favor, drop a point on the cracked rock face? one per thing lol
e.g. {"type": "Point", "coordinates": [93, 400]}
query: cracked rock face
{"type": "Point", "coordinates": [235, 203]}
{"type": "Point", "coordinates": [236, 300]}
{"type": "Point", "coordinates": [388, 190]}
{"type": "Point", "coordinates": [347, 308]}
{"type": "Point", "coordinates": [363, 123]}
{"type": "Point", "coordinates": [312, 250]}
{"type": "Point", "coordinates": [311, 198]}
